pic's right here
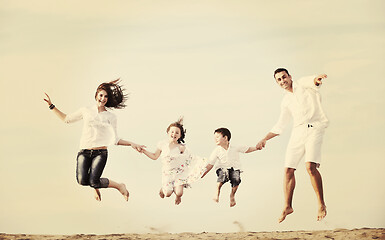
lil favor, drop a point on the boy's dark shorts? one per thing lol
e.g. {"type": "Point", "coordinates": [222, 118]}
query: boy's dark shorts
{"type": "Point", "coordinates": [225, 175]}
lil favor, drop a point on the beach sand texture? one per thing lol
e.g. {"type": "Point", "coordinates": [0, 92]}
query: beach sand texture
{"type": "Point", "coordinates": [337, 234]}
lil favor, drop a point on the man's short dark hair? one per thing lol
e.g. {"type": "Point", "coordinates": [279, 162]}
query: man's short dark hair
{"type": "Point", "coordinates": [281, 70]}
{"type": "Point", "coordinates": [225, 132]}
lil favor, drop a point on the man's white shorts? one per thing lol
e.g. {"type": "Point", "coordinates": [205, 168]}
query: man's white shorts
{"type": "Point", "coordinates": [305, 140]}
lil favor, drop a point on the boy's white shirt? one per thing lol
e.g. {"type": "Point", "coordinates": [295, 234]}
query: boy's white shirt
{"type": "Point", "coordinates": [222, 158]}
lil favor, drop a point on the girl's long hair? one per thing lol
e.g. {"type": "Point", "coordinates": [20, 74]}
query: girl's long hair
{"type": "Point", "coordinates": [179, 124]}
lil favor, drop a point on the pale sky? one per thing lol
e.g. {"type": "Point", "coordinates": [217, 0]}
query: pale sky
{"type": "Point", "coordinates": [212, 62]}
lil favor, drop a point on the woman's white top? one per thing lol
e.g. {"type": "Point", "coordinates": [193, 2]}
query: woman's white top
{"type": "Point", "coordinates": [99, 129]}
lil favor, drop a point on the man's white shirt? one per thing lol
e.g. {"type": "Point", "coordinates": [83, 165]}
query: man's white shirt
{"type": "Point", "coordinates": [303, 106]}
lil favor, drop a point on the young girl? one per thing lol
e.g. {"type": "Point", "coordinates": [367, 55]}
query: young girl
{"type": "Point", "coordinates": [99, 131]}
{"type": "Point", "coordinates": [179, 166]}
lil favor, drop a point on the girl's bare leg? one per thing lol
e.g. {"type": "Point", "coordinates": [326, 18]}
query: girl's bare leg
{"type": "Point", "coordinates": [161, 193]}
{"type": "Point", "coordinates": [178, 193]}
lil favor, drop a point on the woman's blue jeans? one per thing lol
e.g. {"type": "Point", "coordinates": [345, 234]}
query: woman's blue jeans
{"type": "Point", "coordinates": [90, 166]}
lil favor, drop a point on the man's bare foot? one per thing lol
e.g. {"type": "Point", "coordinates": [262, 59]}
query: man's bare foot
{"type": "Point", "coordinates": [161, 193]}
{"type": "Point", "coordinates": [123, 190]}
{"type": "Point", "coordinates": [285, 212]}
{"type": "Point", "coordinates": [178, 200]}
{"type": "Point", "coordinates": [232, 202]}
{"type": "Point", "coordinates": [321, 213]}
{"type": "Point", "coordinates": [98, 195]}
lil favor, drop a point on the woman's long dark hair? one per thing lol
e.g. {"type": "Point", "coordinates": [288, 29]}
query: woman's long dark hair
{"type": "Point", "coordinates": [115, 93]}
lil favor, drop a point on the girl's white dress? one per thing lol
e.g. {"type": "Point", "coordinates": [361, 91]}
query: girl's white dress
{"type": "Point", "coordinates": [179, 168]}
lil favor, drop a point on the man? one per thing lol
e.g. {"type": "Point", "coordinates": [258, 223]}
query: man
{"type": "Point", "coordinates": [302, 102]}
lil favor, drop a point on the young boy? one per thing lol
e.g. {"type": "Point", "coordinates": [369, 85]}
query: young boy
{"type": "Point", "coordinates": [225, 157]}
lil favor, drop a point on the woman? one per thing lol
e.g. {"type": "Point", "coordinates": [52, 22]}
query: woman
{"type": "Point", "coordinates": [99, 131]}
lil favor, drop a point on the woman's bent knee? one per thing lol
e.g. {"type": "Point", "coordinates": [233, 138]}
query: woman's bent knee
{"type": "Point", "coordinates": [99, 183]}
{"type": "Point", "coordinates": [82, 181]}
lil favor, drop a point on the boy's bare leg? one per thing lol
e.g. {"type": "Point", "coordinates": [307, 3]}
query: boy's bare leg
{"type": "Point", "coordinates": [232, 196]}
{"type": "Point", "coordinates": [121, 187]}
{"type": "Point", "coordinates": [289, 185]}
{"type": "Point", "coordinates": [178, 194]}
{"type": "Point", "coordinates": [316, 181]}
{"type": "Point", "coordinates": [219, 186]}
{"type": "Point", "coordinates": [97, 195]}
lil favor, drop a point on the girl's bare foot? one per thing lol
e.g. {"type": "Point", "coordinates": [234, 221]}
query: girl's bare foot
{"type": "Point", "coordinates": [178, 200]}
{"type": "Point", "coordinates": [98, 195]}
{"type": "Point", "coordinates": [285, 212]}
{"type": "Point", "coordinates": [161, 193]}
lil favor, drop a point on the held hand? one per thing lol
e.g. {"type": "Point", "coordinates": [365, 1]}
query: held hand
{"type": "Point", "coordinates": [319, 78]}
{"type": "Point", "coordinates": [142, 148]}
{"type": "Point", "coordinates": [208, 168]}
{"type": "Point", "coordinates": [48, 99]}
{"type": "Point", "coordinates": [137, 147]}
{"type": "Point", "coordinates": [261, 144]}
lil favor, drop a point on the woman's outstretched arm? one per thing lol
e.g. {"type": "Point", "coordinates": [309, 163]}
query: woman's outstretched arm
{"type": "Point", "coordinates": [135, 146]}
{"type": "Point", "coordinates": [58, 113]}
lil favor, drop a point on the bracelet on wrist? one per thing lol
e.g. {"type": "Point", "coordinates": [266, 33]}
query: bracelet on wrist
{"type": "Point", "coordinates": [51, 106]}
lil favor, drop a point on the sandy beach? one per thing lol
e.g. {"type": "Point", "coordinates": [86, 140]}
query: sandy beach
{"type": "Point", "coordinates": [363, 233]}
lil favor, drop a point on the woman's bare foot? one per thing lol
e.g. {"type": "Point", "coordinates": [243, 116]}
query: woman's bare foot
{"type": "Point", "coordinates": [285, 212]}
{"type": "Point", "coordinates": [321, 213]}
{"type": "Point", "coordinates": [98, 195]}
{"type": "Point", "coordinates": [123, 190]}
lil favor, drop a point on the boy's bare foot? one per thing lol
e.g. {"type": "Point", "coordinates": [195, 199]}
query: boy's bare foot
{"type": "Point", "coordinates": [232, 202]}
{"type": "Point", "coordinates": [321, 213]}
{"type": "Point", "coordinates": [123, 190]}
{"type": "Point", "coordinates": [161, 193]}
{"type": "Point", "coordinates": [216, 199]}
{"type": "Point", "coordinates": [98, 195]}
{"type": "Point", "coordinates": [178, 200]}
{"type": "Point", "coordinates": [285, 212]}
